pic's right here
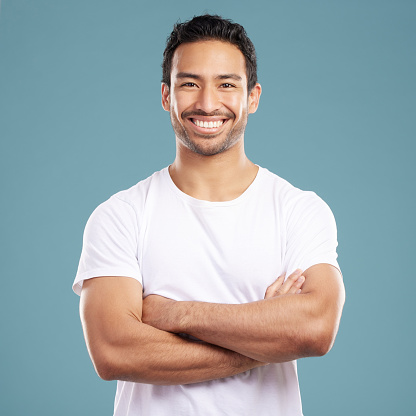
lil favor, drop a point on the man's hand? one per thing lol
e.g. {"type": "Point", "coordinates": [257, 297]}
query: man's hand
{"type": "Point", "coordinates": [159, 311]}
{"type": "Point", "coordinates": [292, 285]}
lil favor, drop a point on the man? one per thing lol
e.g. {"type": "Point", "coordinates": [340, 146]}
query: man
{"type": "Point", "coordinates": [184, 298]}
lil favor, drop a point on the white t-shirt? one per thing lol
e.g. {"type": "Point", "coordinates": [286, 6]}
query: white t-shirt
{"type": "Point", "coordinates": [224, 252]}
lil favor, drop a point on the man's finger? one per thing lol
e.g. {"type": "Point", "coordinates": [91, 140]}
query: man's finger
{"type": "Point", "coordinates": [274, 287]}
{"type": "Point", "coordinates": [297, 285]}
{"type": "Point", "coordinates": [293, 283]}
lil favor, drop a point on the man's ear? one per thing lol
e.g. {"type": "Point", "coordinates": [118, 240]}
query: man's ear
{"type": "Point", "coordinates": [165, 97]}
{"type": "Point", "coordinates": [254, 98]}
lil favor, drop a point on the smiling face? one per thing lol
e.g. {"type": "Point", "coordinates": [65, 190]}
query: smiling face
{"type": "Point", "coordinates": [208, 100]}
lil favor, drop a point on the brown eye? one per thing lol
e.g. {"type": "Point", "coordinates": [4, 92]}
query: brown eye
{"type": "Point", "coordinates": [227, 85]}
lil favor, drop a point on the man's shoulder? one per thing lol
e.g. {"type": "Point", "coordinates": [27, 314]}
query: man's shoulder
{"type": "Point", "coordinates": [136, 194]}
{"type": "Point", "coordinates": [282, 187]}
{"type": "Point", "coordinates": [288, 196]}
{"type": "Point", "coordinates": [132, 199]}
{"type": "Point", "coordinates": [272, 179]}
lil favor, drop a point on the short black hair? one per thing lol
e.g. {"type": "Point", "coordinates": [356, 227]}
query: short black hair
{"type": "Point", "coordinates": [210, 27]}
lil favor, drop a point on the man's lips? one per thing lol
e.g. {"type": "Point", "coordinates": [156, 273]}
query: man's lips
{"type": "Point", "coordinates": [205, 123]}
{"type": "Point", "coordinates": [208, 124]}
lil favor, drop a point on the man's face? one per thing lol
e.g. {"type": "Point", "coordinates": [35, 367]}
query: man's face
{"type": "Point", "coordinates": [208, 98]}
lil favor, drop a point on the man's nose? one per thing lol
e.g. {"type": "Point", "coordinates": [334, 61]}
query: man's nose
{"type": "Point", "coordinates": [208, 100]}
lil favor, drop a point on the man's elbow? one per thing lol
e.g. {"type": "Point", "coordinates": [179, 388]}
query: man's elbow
{"type": "Point", "coordinates": [321, 339]}
{"type": "Point", "coordinates": [315, 341]}
{"type": "Point", "coordinates": [322, 346]}
{"type": "Point", "coordinates": [104, 366]}
{"type": "Point", "coordinates": [112, 364]}
{"type": "Point", "coordinates": [107, 360]}
{"type": "Point", "coordinates": [322, 329]}
{"type": "Point", "coordinates": [107, 372]}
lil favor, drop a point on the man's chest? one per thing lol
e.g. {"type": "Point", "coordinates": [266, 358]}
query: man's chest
{"type": "Point", "coordinates": [227, 255]}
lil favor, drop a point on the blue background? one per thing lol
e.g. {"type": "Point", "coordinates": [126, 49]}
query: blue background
{"type": "Point", "coordinates": [80, 119]}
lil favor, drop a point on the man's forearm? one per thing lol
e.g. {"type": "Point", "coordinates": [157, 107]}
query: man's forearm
{"type": "Point", "coordinates": [122, 347]}
{"type": "Point", "coordinates": [268, 330]}
{"type": "Point", "coordinates": [157, 357]}
{"type": "Point", "coordinates": [272, 330]}
{"type": "Point", "coordinates": [261, 330]}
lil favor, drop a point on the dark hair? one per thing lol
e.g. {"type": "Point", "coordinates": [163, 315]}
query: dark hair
{"type": "Point", "coordinates": [210, 27]}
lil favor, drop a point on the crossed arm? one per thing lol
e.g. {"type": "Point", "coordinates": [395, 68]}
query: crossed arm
{"type": "Point", "coordinates": [276, 329]}
{"type": "Point", "coordinates": [134, 340]}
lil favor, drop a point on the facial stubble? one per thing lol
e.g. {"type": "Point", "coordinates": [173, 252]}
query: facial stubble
{"type": "Point", "coordinates": [204, 147]}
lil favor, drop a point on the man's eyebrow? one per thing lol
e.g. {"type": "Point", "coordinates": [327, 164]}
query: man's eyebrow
{"type": "Point", "coordinates": [187, 75]}
{"type": "Point", "coordinates": [235, 77]}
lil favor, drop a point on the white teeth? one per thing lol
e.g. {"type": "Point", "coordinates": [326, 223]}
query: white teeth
{"type": "Point", "coordinates": [208, 124]}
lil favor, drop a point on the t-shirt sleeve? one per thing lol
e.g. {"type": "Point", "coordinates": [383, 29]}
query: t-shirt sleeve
{"type": "Point", "coordinates": [110, 243]}
{"type": "Point", "coordinates": [311, 234]}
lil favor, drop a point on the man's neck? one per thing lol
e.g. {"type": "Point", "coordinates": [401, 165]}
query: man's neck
{"type": "Point", "coordinates": [221, 177]}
